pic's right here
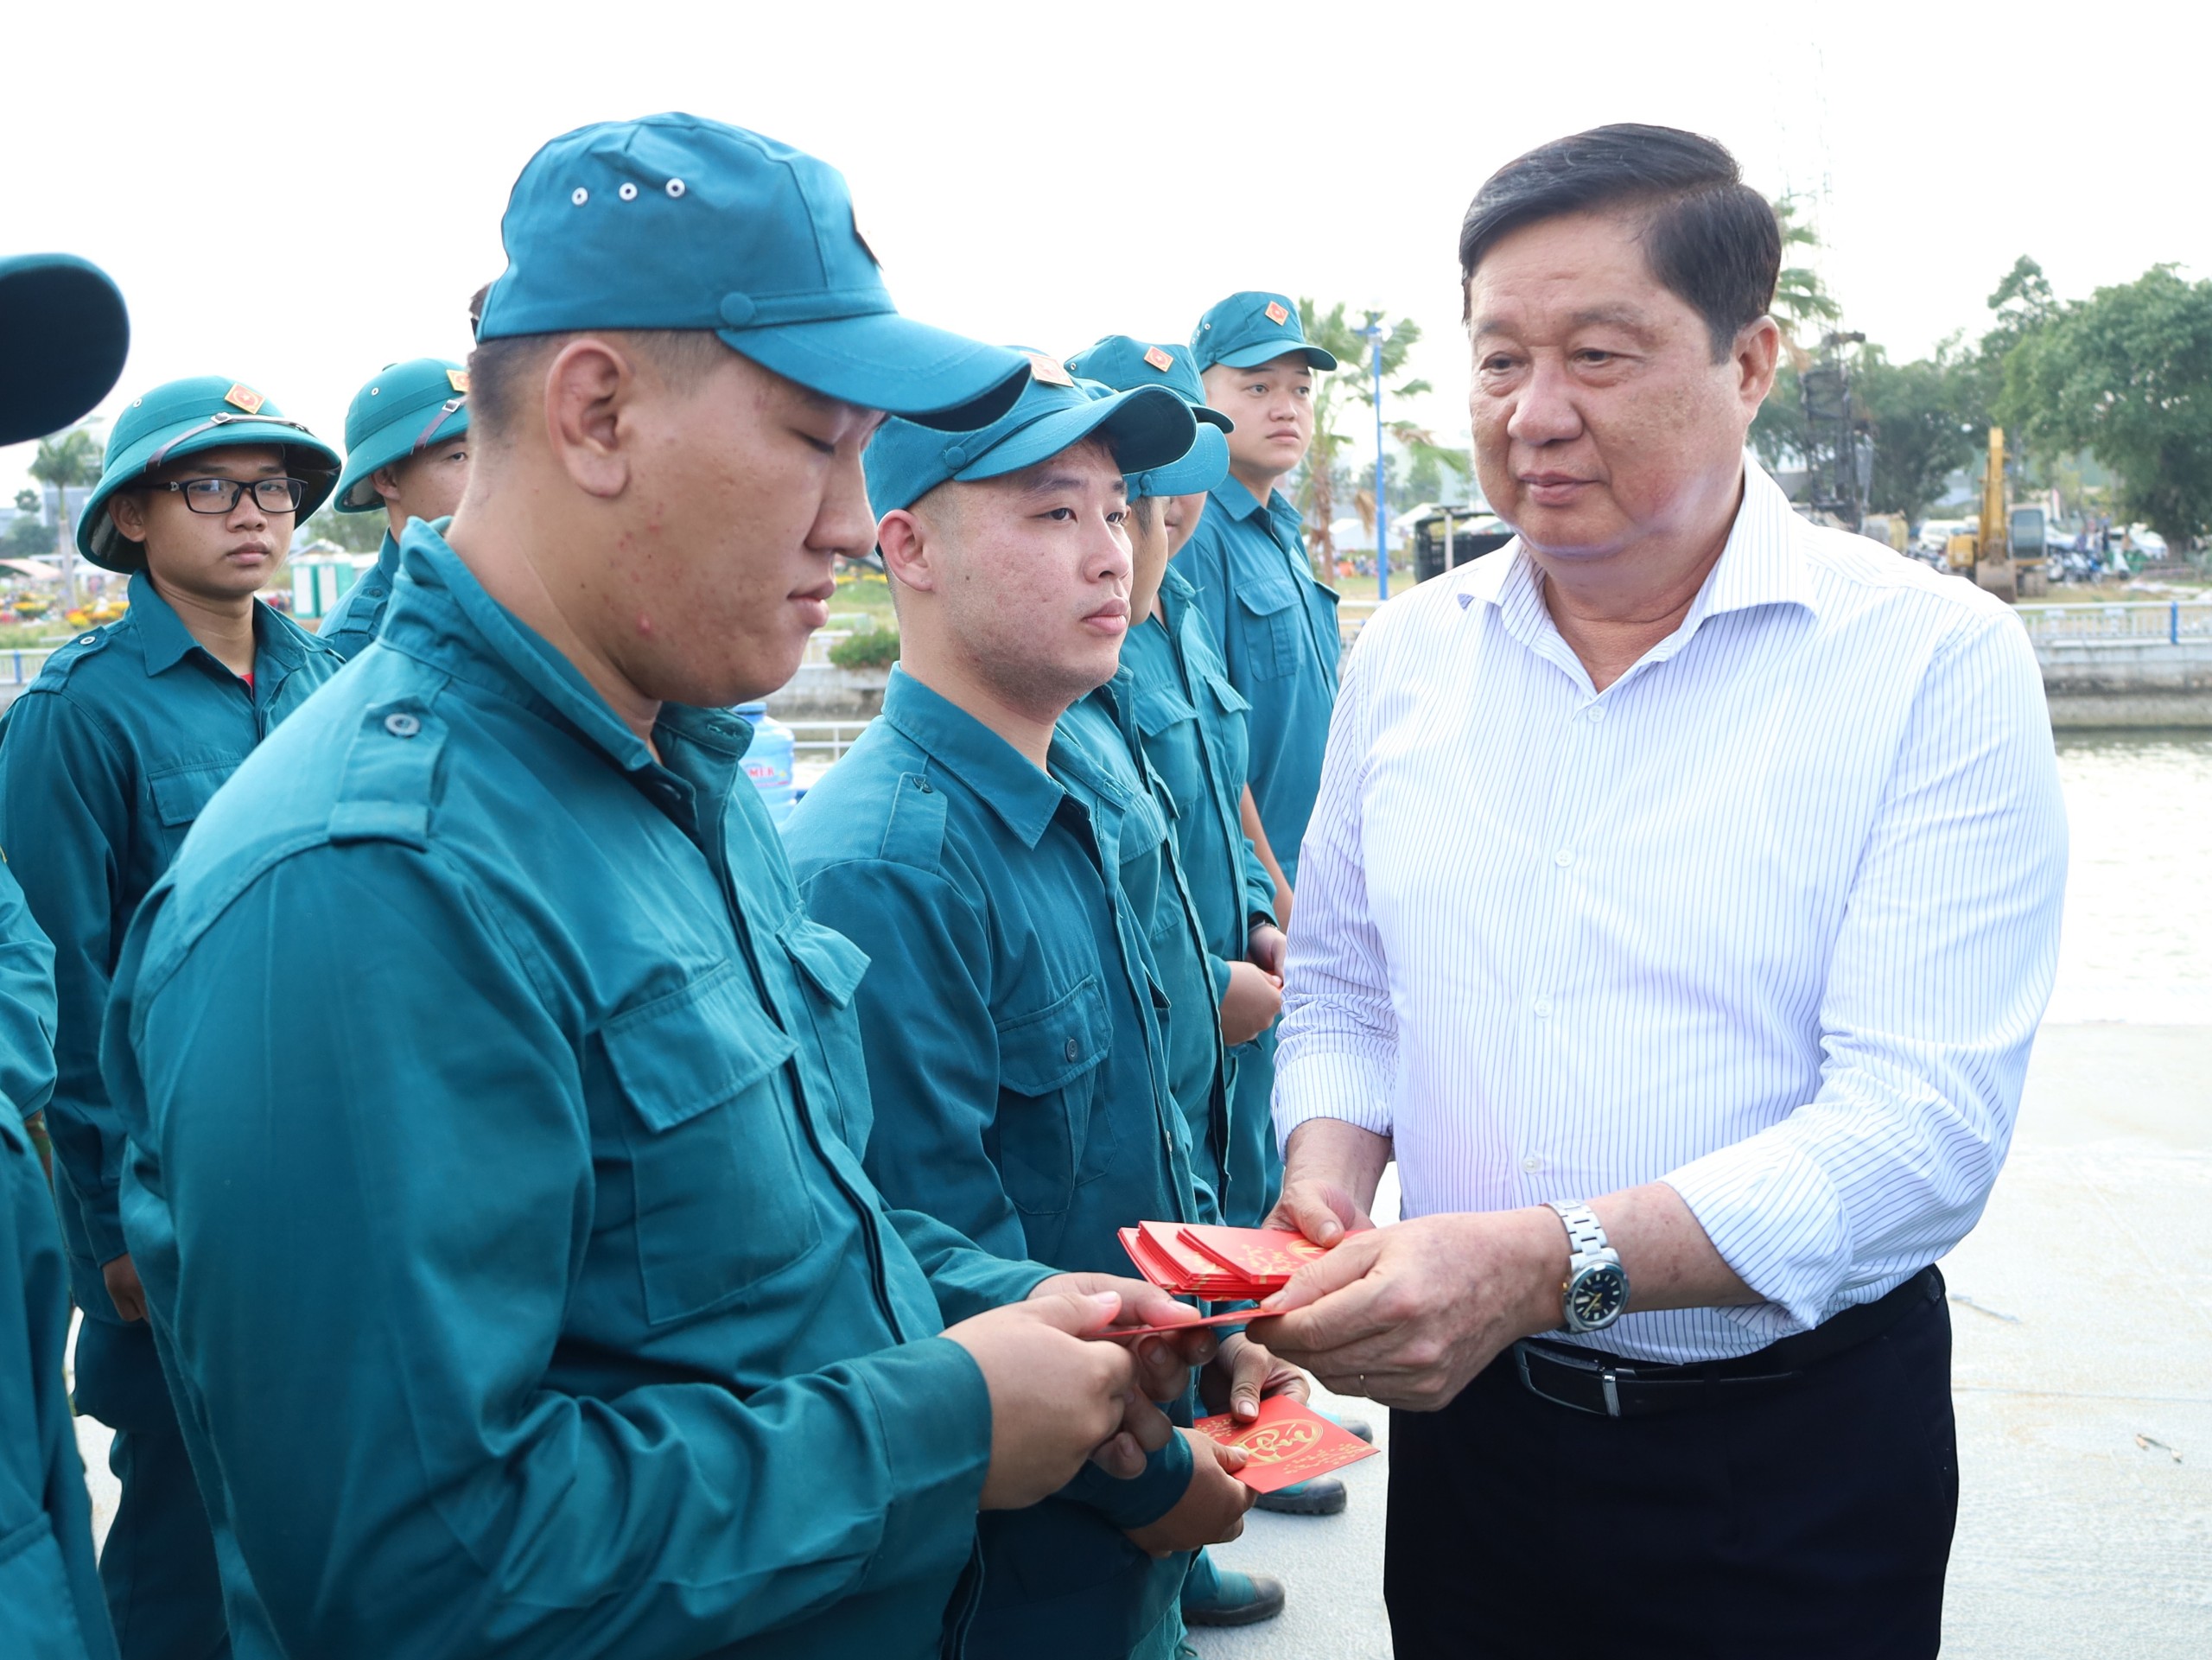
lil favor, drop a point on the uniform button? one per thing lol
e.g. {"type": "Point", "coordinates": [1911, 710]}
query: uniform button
{"type": "Point", "coordinates": [402, 725]}
{"type": "Point", "coordinates": [1532, 1164]}
{"type": "Point", "coordinates": [86, 640]}
{"type": "Point", "coordinates": [1074, 1048]}
{"type": "Point", "coordinates": [1563, 858]}
{"type": "Point", "coordinates": [1541, 1008]}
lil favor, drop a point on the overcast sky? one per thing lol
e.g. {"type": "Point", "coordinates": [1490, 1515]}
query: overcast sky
{"type": "Point", "coordinates": [295, 196]}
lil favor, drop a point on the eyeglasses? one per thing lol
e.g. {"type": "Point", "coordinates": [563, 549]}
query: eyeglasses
{"type": "Point", "coordinates": [223, 495]}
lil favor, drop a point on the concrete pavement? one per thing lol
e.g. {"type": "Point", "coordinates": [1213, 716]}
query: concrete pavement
{"type": "Point", "coordinates": [2083, 1308]}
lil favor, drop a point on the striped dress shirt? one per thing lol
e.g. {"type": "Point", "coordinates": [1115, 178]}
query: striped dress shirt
{"type": "Point", "coordinates": [1772, 919]}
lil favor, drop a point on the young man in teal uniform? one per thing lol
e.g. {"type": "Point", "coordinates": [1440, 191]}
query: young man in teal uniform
{"type": "Point", "coordinates": [63, 338]}
{"type": "Point", "coordinates": [106, 760]}
{"type": "Point", "coordinates": [1012, 1031]}
{"type": "Point", "coordinates": [527, 1294]}
{"type": "Point", "coordinates": [406, 457]}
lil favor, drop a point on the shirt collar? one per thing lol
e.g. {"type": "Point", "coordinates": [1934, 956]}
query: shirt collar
{"type": "Point", "coordinates": [1762, 564]}
{"type": "Point", "coordinates": [442, 616]}
{"type": "Point", "coordinates": [1233, 498]}
{"type": "Point", "coordinates": [388, 558]}
{"type": "Point", "coordinates": [166, 642]}
{"type": "Point", "coordinates": [1002, 777]}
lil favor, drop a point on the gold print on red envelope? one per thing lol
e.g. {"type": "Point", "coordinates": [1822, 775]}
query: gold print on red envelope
{"type": "Point", "coordinates": [1288, 1443]}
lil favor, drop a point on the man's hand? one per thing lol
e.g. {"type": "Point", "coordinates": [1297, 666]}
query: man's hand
{"type": "Point", "coordinates": [1211, 1509]}
{"type": "Point", "coordinates": [1243, 1375]}
{"type": "Point", "coordinates": [1054, 1395]}
{"type": "Point", "coordinates": [122, 1288]}
{"type": "Point", "coordinates": [1162, 1364]}
{"type": "Point", "coordinates": [1324, 1211]}
{"type": "Point", "coordinates": [1251, 1003]}
{"type": "Point", "coordinates": [1267, 949]}
{"type": "Point", "coordinates": [1408, 1315]}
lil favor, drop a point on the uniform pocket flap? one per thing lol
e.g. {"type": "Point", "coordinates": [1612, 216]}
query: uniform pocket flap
{"type": "Point", "coordinates": [1159, 708]}
{"type": "Point", "coordinates": [1265, 598]}
{"type": "Point", "coordinates": [1232, 701]}
{"type": "Point", "coordinates": [831, 961]}
{"type": "Point", "coordinates": [702, 1045]}
{"type": "Point", "coordinates": [180, 796]}
{"type": "Point", "coordinates": [1043, 1052]}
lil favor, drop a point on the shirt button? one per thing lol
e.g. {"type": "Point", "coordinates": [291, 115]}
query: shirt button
{"type": "Point", "coordinates": [1074, 1049]}
{"type": "Point", "coordinates": [1541, 1008]}
{"type": "Point", "coordinates": [1597, 712]}
{"type": "Point", "coordinates": [1563, 858]}
{"type": "Point", "coordinates": [402, 725]}
{"type": "Point", "coordinates": [1532, 1164]}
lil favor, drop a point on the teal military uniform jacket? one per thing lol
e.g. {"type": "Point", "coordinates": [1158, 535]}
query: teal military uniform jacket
{"type": "Point", "coordinates": [106, 761]}
{"type": "Point", "coordinates": [1104, 727]}
{"type": "Point", "coordinates": [525, 1293]}
{"type": "Point", "coordinates": [51, 1607]}
{"type": "Point", "coordinates": [1192, 723]}
{"type": "Point", "coordinates": [1276, 628]}
{"type": "Point", "coordinates": [1010, 1011]}
{"type": "Point", "coordinates": [354, 620]}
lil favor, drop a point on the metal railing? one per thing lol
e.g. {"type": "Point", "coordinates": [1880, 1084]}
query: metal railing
{"type": "Point", "coordinates": [2172, 620]}
{"type": "Point", "coordinates": [24, 666]}
{"type": "Point", "coordinates": [823, 741]}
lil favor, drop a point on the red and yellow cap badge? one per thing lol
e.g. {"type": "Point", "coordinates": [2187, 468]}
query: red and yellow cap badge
{"type": "Point", "coordinates": [1048, 370]}
{"type": "Point", "coordinates": [1276, 313]}
{"type": "Point", "coordinates": [1160, 359]}
{"type": "Point", "coordinates": [458, 379]}
{"type": "Point", "coordinates": [244, 397]}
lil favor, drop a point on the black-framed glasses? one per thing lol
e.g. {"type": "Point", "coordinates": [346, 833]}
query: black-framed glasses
{"type": "Point", "coordinates": [223, 495]}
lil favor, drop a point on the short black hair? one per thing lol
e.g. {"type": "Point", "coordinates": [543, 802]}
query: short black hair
{"type": "Point", "coordinates": [503, 372]}
{"type": "Point", "coordinates": [1709, 237]}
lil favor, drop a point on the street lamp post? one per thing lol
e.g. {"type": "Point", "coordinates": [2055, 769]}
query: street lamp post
{"type": "Point", "coordinates": [1375, 334]}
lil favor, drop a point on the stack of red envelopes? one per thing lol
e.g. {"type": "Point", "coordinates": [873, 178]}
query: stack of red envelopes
{"type": "Point", "coordinates": [1223, 1264]}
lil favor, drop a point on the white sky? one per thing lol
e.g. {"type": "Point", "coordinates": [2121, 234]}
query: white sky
{"type": "Point", "coordinates": [1044, 174]}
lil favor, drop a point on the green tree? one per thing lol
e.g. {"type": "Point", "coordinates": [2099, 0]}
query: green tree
{"type": "Point", "coordinates": [2126, 375]}
{"type": "Point", "coordinates": [1338, 397]}
{"type": "Point", "coordinates": [355, 532]}
{"type": "Point", "coordinates": [65, 461]}
{"type": "Point", "coordinates": [1919, 413]}
{"type": "Point", "coordinates": [30, 535]}
{"type": "Point", "coordinates": [1802, 306]}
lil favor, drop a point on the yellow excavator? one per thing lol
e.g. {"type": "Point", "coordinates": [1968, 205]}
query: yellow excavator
{"type": "Point", "coordinates": [2009, 559]}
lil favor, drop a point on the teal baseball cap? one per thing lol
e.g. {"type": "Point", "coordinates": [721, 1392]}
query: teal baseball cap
{"type": "Point", "coordinates": [183, 417]}
{"type": "Point", "coordinates": [1125, 363]}
{"type": "Point", "coordinates": [1253, 327]}
{"type": "Point", "coordinates": [1204, 466]}
{"type": "Point", "coordinates": [1146, 428]}
{"type": "Point", "coordinates": [678, 222]}
{"type": "Point", "coordinates": [409, 407]}
{"type": "Point", "coordinates": [64, 334]}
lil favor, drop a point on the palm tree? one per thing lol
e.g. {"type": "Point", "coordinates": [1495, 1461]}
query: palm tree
{"type": "Point", "coordinates": [1801, 300]}
{"type": "Point", "coordinates": [1335, 397]}
{"type": "Point", "coordinates": [68, 462]}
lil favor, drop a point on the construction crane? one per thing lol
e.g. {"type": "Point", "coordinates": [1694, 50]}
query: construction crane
{"type": "Point", "coordinates": [2010, 562]}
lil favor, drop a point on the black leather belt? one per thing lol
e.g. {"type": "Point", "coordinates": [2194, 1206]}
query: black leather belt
{"type": "Point", "coordinates": [1590, 1380]}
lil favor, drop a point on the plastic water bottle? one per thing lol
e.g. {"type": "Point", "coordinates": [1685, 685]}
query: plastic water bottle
{"type": "Point", "coordinates": [768, 760]}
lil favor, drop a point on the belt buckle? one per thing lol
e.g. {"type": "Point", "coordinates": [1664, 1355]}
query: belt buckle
{"type": "Point", "coordinates": [1608, 1381]}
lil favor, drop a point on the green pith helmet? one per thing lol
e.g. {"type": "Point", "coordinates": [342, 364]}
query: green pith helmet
{"type": "Point", "coordinates": [183, 417]}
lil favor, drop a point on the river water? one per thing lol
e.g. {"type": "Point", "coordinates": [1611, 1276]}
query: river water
{"type": "Point", "coordinates": [2138, 942]}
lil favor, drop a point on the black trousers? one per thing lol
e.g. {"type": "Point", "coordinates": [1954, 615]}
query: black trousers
{"type": "Point", "coordinates": [1809, 1523]}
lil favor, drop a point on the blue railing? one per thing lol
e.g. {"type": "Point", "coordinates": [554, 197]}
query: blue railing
{"type": "Point", "coordinates": [2172, 620]}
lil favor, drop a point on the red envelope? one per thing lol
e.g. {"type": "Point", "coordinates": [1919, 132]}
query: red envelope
{"type": "Point", "coordinates": [1261, 1255]}
{"type": "Point", "coordinates": [1236, 1317]}
{"type": "Point", "coordinates": [1288, 1443]}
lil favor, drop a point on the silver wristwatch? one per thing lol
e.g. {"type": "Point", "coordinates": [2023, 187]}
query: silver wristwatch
{"type": "Point", "coordinates": [1596, 1286]}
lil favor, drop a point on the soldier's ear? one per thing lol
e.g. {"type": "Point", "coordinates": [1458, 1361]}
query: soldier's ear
{"type": "Point", "coordinates": [908, 549]}
{"type": "Point", "coordinates": [126, 510]}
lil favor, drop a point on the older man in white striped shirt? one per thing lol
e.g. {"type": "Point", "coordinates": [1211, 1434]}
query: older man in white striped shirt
{"type": "Point", "coordinates": [1678, 910]}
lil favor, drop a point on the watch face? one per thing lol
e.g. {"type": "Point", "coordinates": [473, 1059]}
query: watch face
{"type": "Point", "coordinates": [1597, 1296]}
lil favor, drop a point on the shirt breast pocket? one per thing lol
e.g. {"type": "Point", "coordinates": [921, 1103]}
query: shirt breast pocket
{"type": "Point", "coordinates": [1052, 1133]}
{"type": "Point", "coordinates": [1272, 627]}
{"type": "Point", "coordinates": [831, 966]}
{"type": "Point", "coordinates": [181, 793]}
{"type": "Point", "coordinates": [721, 1198]}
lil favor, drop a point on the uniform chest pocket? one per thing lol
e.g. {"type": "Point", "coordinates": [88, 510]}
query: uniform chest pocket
{"type": "Point", "coordinates": [830, 967]}
{"type": "Point", "coordinates": [1273, 629]}
{"type": "Point", "coordinates": [1226, 698]}
{"type": "Point", "coordinates": [181, 793]}
{"type": "Point", "coordinates": [1052, 1130]}
{"type": "Point", "coordinates": [723, 1199]}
